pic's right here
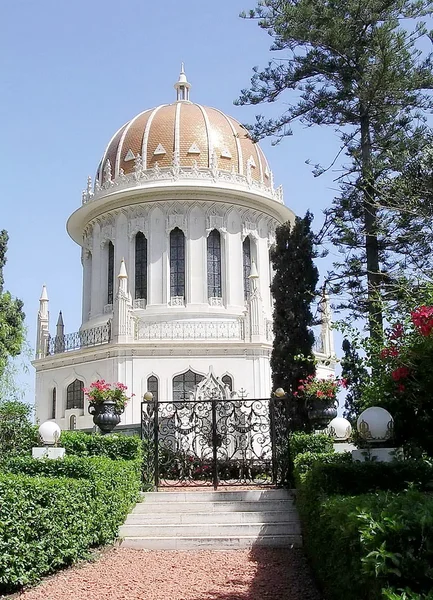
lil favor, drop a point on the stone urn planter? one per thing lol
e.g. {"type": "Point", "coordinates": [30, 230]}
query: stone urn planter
{"type": "Point", "coordinates": [105, 415]}
{"type": "Point", "coordinates": [320, 413]}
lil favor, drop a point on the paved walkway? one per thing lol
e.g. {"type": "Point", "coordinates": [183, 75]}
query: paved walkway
{"type": "Point", "coordinates": [125, 574]}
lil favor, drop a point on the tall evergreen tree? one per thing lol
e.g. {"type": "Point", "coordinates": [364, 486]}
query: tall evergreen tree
{"type": "Point", "coordinates": [356, 376]}
{"type": "Point", "coordinates": [356, 65]}
{"type": "Point", "coordinates": [294, 289]}
{"type": "Point", "coordinates": [11, 316]}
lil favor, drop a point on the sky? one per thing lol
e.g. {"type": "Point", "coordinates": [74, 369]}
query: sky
{"type": "Point", "coordinates": [72, 73]}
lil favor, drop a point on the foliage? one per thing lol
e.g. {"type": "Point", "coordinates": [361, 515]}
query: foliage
{"type": "Point", "coordinates": [314, 389]}
{"type": "Point", "coordinates": [116, 447]}
{"type": "Point", "coordinates": [356, 377]}
{"type": "Point", "coordinates": [356, 66]}
{"type": "Point", "coordinates": [11, 315]}
{"type": "Point", "coordinates": [100, 391]}
{"type": "Point", "coordinates": [17, 434]}
{"type": "Point", "coordinates": [301, 442]}
{"type": "Point", "coordinates": [337, 474]}
{"type": "Point", "coordinates": [51, 512]}
{"type": "Point", "coordinates": [293, 289]}
{"type": "Point", "coordinates": [305, 461]}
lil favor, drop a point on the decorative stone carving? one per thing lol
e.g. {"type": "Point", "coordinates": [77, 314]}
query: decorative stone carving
{"type": "Point", "coordinates": [216, 301]}
{"type": "Point", "coordinates": [107, 171]}
{"type": "Point", "coordinates": [108, 308]}
{"type": "Point", "coordinates": [138, 167]}
{"type": "Point", "coordinates": [140, 303]}
{"type": "Point", "coordinates": [177, 301]}
{"type": "Point", "coordinates": [191, 330]}
{"type": "Point", "coordinates": [175, 220]}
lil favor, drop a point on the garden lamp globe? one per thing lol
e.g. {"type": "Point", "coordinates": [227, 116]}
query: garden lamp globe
{"type": "Point", "coordinates": [375, 424]}
{"type": "Point", "coordinates": [50, 433]}
{"type": "Point", "coordinates": [148, 396]}
{"type": "Point", "coordinates": [279, 393]}
{"type": "Point", "coordinates": [340, 429]}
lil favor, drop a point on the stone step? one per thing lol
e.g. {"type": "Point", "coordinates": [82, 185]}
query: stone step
{"type": "Point", "coordinates": [219, 496]}
{"type": "Point", "coordinates": [184, 518]}
{"type": "Point", "coordinates": [210, 530]}
{"type": "Point", "coordinates": [213, 543]}
{"type": "Point", "coordinates": [213, 507]}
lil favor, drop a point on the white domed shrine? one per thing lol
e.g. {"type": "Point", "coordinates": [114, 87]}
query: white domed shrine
{"type": "Point", "coordinates": [175, 235]}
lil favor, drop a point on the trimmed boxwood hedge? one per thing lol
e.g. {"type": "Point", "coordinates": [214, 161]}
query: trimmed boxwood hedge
{"type": "Point", "coordinates": [367, 546]}
{"type": "Point", "coordinates": [114, 446]}
{"type": "Point", "coordinates": [52, 512]}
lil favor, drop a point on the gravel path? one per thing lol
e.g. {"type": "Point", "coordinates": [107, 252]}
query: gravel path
{"type": "Point", "coordinates": [125, 574]}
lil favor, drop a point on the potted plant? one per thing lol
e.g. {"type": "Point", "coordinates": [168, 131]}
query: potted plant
{"type": "Point", "coordinates": [106, 403]}
{"type": "Point", "coordinates": [321, 398]}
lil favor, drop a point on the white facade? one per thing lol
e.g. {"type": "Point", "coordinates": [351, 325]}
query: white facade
{"type": "Point", "coordinates": [128, 338]}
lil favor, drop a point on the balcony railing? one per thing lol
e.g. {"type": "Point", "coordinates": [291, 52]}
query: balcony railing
{"type": "Point", "coordinates": [80, 339]}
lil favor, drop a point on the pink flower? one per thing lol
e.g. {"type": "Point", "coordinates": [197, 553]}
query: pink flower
{"type": "Point", "coordinates": [344, 383]}
{"type": "Point", "coordinates": [422, 318]}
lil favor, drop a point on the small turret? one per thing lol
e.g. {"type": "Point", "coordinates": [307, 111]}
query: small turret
{"type": "Point", "coordinates": [43, 325]}
{"type": "Point", "coordinates": [182, 86]}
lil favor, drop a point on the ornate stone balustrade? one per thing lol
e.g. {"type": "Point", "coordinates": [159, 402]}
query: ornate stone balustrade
{"type": "Point", "coordinates": [140, 177]}
{"type": "Point", "coordinates": [190, 330]}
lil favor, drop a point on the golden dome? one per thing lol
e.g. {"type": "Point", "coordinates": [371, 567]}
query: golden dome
{"type": "Point", "coordinates": [187, 135]}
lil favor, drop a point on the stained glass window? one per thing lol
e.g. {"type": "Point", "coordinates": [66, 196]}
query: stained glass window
{"type": "Point", "coordinates": [75, 395]}
{"type": "Point", "coordinates": [177, 263]}
{"type": "Point", "coordinates": [153, 386]}
{"type": "Point", "coordinates": [214, 265]}
{"type": "Point", "coordinates": [184, 384]}
{"type": "Point", "coordinates": [110, 274]}
{"type": "Point", "coordinates": [247, 266]}
{"type": "Point", "coordinates": [140, 266]}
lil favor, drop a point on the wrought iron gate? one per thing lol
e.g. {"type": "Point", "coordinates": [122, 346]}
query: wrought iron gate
{"type": "Point", "coordinates": [215, 441]}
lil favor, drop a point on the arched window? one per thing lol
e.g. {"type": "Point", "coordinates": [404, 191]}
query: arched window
{"type": "Point", "coordinates": [110, 273]}
{"type": "Point", "coordinates": [177, 263]}
{"type": "Point", "coordinates": [75, 395]}
{"type": "Point", "coordinates": [53, 402]}
{"type": "Point", "coordinates": [228, 381]}
{"type": "Point", "coordinates": [246, 250]}
{"type": "Point", "coordinates": [140, 266]}
{"type": "Point", "coordinates": [73, 423]}
{"type": "Point", "coordinates": [153, 386]}
{"type": "Point", "coordinates": [185, 383]}
{"type": "Point", "coordinates": [214, 265]}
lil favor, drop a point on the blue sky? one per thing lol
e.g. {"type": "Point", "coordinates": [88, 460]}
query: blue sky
{"type": "Point", "coordinates": [72, 73]}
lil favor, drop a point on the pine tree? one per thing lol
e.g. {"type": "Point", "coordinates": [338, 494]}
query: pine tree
{"type": "Point", "coordinates": [356, 376]}
{"type": "Point", "coordinates": [11, 316]}
{"type": "Point", "coordinates": [355, 65]}
{"type": "Point", "coordinates": [293, 289]}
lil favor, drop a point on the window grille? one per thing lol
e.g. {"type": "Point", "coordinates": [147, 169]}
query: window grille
{"type": "Point", "coordinates": [153, 386]}
{"type": "Point", "coordinates": [75, 395]}
{"type": "Point", "coordinates": [110, 274]}
{"type": "Point", "coordinates": [140, 266]}
{"type": "Point", "coordinates": [214, 289]}
{"type": "Point", "coordinates": [185, 383]}
{"type": "Point", "coordinates": [247, 267]}
{"type": "Point", "coordinates": [177, 263]}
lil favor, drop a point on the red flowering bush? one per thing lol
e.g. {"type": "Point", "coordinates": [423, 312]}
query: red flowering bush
{"type": "Point", "coordinates": [402, 378]}
{"type": "Point", "coordinates": [100, 391]}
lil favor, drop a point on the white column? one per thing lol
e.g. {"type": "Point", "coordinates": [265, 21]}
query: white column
{"type": "Point", "coordinates": [157, 257]}
{"type": "Point", "coordinates": [86, 259]}
{"type": "Point", "coordinates": [98, 283]}
{"type": "Point", "coordinates": [43, 326]}
{"type": "Point", "coordinates": [196, 255]}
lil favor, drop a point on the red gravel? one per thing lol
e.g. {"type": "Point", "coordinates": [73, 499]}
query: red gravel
{"type": "Point", "coordinates": [125, 574]}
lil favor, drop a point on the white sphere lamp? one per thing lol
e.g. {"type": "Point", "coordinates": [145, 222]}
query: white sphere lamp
{"type": "Point", "coordinates": [375, 424]}
{"type": "Point", "coordinates": [340, 429]}
{"type": "Point", "coordinates": [50, 433]}
{"type": "Point", "coordinates": [148, 396]}
{"type": "Point", "coordinates": [279, 393]}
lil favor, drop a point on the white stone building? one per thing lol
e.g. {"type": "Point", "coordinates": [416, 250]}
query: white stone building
{"type": "Point", "coordinates": [175, 237]}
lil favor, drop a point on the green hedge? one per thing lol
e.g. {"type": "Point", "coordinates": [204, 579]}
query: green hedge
{"type": "Point", "coordinates": [309, 442]}
{"type": "Point", "coordinates": [367, 546]}
{"type": "Point", "coordinates": [362, 545]}
{"type": "Point", "coordinates": [51, 512]}
{"type": "Point", "coordinates": [336, 474]}
{"type": "Point", "coordinates": [114, 446]}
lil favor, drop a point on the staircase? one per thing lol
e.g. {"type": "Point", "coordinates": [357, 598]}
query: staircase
{"type": "Point", "coordinates": [212, 520]}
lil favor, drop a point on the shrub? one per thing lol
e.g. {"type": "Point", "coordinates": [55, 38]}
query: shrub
{"type": "Point", "coordinates": [17, 434]}
{"type": "Point", "coordinates": [341, 476]}
{"type": "Point", "coordinates": [305, 461]}
{"type": "Point", "coordinates": [51, 512]}
{"type": "Point", "coordinates": [309, 442]}
{"type": "Point", "coordinates": [116, 447]}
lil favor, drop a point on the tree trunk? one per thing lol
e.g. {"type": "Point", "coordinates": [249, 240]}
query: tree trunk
{"type": "Point", "coordinates": [374, 303]}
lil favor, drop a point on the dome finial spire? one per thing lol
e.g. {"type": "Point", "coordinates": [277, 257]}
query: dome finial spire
{"type": "Point", "coordinates": [182, 86]}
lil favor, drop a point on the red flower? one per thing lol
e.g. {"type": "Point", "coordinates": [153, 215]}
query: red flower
{"type": "Point", "coordinates": [397, 332]}
{"type": "Point", "coordinates": [400, 373]}
{"type": "Point", "coordinates": [344, 383]}
{"type": "Point", "coordinates": [319, 393]}
{"type": "Point", "coordinates": [422, 318]}
{"type": "Point", "coordinates": [401, 387]}
{"type": "Point", "coordinates": [392, 352]}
